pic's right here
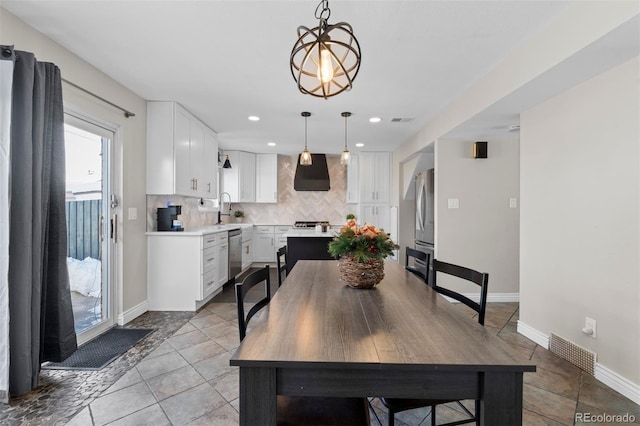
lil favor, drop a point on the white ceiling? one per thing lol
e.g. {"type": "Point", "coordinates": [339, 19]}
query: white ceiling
{"type": "Point", "coordinates": [226, 60]}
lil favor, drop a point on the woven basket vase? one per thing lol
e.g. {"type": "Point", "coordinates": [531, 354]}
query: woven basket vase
{"type": "Point", "coordinates": [361, 275]}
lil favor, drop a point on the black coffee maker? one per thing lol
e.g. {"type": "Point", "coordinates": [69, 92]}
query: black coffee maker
{"type": "Point", "coordinates": [168, 218]}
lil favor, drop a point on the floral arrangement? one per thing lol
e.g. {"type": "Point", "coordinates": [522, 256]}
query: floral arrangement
{"type": "Point", "coordinates": [361, 244]}
{"type": "Point", "coordinates": [238, 213]}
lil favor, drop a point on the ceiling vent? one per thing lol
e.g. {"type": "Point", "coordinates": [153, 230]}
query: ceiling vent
{"type": "Point", "coordinates": [402, 120]}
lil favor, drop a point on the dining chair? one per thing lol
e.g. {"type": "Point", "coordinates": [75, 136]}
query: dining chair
{"type": "Point", "coordinates": [250, 281]}
{"type": "Point", "coordinates": [420, 264]}
{"type": "Point", "coordinates": [396, 405]}
{"type": "Point", "coordinates": [281, 258]}
{"type": "Point", "coordinates": [296, 410]}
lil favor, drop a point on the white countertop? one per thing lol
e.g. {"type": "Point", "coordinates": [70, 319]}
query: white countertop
{"type": "Point", "coordinates": [202, 230]}
{"type": "Point", "coordinates": [310, 233]}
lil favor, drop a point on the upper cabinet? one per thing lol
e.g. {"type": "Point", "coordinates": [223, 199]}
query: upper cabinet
{"type": "Point", "coordinates": [181, 152]}
{"type": "Point", "coordinates": [352, 180]}
{"type": "Point", "coordinates": [240, 180]}
{"type": "Point", "coordinates": [375, 177]}
{"type": "Point", "coordinates": [266, 178]}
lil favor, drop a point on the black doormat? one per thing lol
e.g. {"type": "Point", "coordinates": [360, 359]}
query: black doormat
{"type": "Point", "coordinates": [100, 351]}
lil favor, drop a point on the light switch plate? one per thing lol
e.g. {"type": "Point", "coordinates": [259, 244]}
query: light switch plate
{"type": "Point", "coordinates": [513, 203]}
{"type": "Point", "coordinates": [453, 203]}
{"type": "Point", "coordinates": [132, 213]}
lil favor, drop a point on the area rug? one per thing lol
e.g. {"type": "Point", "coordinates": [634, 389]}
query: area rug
{"type": "Point", "coordinates": [100, 351]}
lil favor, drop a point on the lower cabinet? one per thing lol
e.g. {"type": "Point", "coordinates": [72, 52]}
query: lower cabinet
{"type": "Point", "coordinates": [247, 255]}
{"type": "Point", "coordinates": [185, 271]}
{"type": "Point", "coordinates": [264, 243]}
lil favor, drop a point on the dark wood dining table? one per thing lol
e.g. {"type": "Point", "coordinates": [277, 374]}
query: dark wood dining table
{"type": "Point", "coordinates": [320, 337]}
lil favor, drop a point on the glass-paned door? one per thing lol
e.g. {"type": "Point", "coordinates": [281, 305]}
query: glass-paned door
{"type": "Point", "coordinates": [89, 225]}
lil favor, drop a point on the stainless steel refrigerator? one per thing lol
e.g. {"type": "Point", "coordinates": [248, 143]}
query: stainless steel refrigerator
{"type": "Point", "coordinates": [424, 239]}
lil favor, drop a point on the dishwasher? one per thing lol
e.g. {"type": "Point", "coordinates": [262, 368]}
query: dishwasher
{"type": "Point", "coordinates": [235, 252]}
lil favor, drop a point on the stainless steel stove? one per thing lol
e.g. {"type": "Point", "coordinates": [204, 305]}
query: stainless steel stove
{"type": "Point", "coordinates": [310, 223]}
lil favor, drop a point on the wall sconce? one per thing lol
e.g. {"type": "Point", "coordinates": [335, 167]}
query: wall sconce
{"type": "Point", "coordinates": [227, 163]}
{"type": "Point", "coordinates": [480, 150]}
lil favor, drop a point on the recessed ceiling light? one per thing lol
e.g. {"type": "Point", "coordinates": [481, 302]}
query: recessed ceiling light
{"type": "Point", "coordinates": [254, 118]}
{"type": "Point", "coordinates": [359, 144]}
{"type": "Point", "coordinates": [375, 120]}
{"type": "Point", "coordinates": [271, 143]}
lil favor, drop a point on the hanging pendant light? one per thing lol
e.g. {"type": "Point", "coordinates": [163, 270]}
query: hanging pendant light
{"type": "Point", "coordinates": [345, 159]}
{"type": "Point", "coordinates": [325, 60]}
{"type": "Point", "coordinates": [227, 163]}
{"type": "Point", "coordinates": [305, 156]}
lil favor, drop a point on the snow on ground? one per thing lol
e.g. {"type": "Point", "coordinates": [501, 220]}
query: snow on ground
{"type": "Point", "coordinates": [85, 276]}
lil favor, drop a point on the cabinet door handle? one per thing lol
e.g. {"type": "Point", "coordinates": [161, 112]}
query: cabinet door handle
{"type": "Point", "coordinates": [373, 195]}
{"type": "Point", "coordinates": [209, 187]}
{"type": "Point", "coordinates": [272, 241]}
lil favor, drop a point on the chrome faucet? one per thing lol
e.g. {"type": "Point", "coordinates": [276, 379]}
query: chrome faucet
{"type": "Point", "coordinates": [221, 207]}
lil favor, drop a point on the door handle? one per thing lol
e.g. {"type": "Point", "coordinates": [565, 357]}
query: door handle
{"type": "Point", "coordinates": [114, 229]}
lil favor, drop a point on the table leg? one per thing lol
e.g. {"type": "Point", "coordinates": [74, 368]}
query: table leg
{"type": "Point", "coordinates": [501, 399]}
{"type": "Point", "coordinates": [258, 402]}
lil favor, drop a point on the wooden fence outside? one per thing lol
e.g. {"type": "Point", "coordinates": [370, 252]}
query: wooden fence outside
{"type": "Point", "coordinates": [83, 228]}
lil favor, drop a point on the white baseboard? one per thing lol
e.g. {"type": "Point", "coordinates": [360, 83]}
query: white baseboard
{"type": "Point", "coordinates": [618, 383]}
{"type": "Point", "coordinates": [503, 297]}
{"type": "Point", "coordinates": [603, 374]}
{"type": "Point", "coordinates": [133, 313]}
{"type": "Point", "coordinates": [531, 333]}
{"type": "Point", "coordinates": [491, 297]}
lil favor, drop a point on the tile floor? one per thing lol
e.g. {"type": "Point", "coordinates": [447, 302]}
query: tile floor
{"type": "Point", "coordinates": [183, 377]}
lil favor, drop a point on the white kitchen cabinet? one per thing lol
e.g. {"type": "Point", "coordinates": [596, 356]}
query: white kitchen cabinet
{"type": "Point", "coordinates": [279, 231]}
{"type": "Point", "coordinates": [240, 180]}
{"type": "Point", "coordinates": [247, 254]}
{"type": "Point", "coordinates": [264, 243]}
{"type": "Point", "coordinates": [185, 271]}
{"type": "Point", "coordinates": [266, 178]}
{"type": "Point", "coordinates": [210, 172]}
{"type": "Point", "coordinates": [376, 214]}
{"type": "Point", "coordinates": [247, 247]}
{"type": "Point", "coordinates": [181, 152]}
{"type": "Point", "coordinates": [375, 177]}
{"type": "Point", "coordinates": [353, 188]}
{"type": "Point", "coordinates": [222, 252]}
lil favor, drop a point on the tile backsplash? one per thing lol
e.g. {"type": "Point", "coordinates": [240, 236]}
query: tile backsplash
{"type": "Point", "coordinates": [291, 206]}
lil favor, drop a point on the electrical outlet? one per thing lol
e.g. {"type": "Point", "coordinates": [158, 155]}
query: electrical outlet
{"type": "Point", "coordinates": [589, 327]}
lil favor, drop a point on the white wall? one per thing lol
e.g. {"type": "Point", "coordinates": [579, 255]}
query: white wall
{"type": "Point", "coordinates": [580, 217]}
{"type": "Point", "coordinates": [132, 251]}
{"type": "Point", "coordinates": [482, 233]}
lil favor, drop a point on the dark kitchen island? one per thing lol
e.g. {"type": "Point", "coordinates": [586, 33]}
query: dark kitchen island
{"type": "Point", "coordinates": [307, 245]}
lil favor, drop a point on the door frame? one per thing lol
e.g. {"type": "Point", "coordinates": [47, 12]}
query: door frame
{"type": "Point", "coordinates": [76, 118]}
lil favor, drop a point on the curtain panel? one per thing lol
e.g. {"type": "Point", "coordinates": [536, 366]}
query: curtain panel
{"type": "Point", "coordinates": [41, 326]}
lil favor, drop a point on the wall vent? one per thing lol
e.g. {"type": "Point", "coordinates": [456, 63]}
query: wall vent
{"type": "Point", "coordinates": [576, 355]}
{"type": "Point", "coordinates": [401, 120]}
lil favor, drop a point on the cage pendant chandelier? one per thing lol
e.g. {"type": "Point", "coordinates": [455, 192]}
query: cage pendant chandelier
{"type": "Point", "coordinates": [325, 59]}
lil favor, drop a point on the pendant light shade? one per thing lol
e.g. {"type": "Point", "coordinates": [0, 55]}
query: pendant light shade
{"type": "Point", "coordinates": [345, 158]}
{"type": "Point", "coordinates": [325, 60]}
{"type": "Point", "coordinates": [305, 156]}
{"type": "Point", "coordinates": [227, 163]}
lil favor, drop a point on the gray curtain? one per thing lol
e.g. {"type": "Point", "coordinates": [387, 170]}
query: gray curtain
{"type": "Point", "coordinates": [40, 314]}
